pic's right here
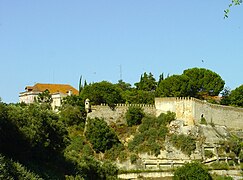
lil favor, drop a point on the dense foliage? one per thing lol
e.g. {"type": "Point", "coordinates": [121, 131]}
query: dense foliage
{"type": "Point", "coordinates": [151, 134]}
{"type": "Point", "coordinates": [102, 92]}
{"type": "Point", "coordinates": [236, 97]}
{"type": "Point", "coordinates": [174, 86]}
{"type": "Point", "coordinates": [195, 82]}
{"type": "Point", "coordinates": [186, 144]}
{"type": "Point", "coordinates": [147, 82]}
{"type": "Point", "coordinates": [134, 115]}
{"type": "Point", "coordinates": [47, 145]}
{"type": "Point", "coordinates": [203, 82]}
{"type": "Point", "coordinates": [36, 143]}
{"type": "Point", "coordinates": [13, 170]}
{"type": "Point", "coordinates": [193, 171]}
{"type": "Point", "coordinates": [100, 135]}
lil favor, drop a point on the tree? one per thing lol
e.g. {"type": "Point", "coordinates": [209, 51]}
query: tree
{"type": "Point", "coordinates": [192, 171]}
{"type": "Point", "coordinates": [134, 96]}
{"type": "Point", "coordinates": [225, 96]}
{"type": "Point", "coordinates": [147, 82]}
{"type": "Point", "coordinates": [40, 128]}
{"type": "Point", "coordinates": [236, 97]}
{"type": "Point", "coordinates": [73, 115]}
{"type": "Point", "coordinates": [102, 92]}
{"type": "Point", "coordinates": [123, 85]}
{"type": "Point", "coordinates": [173, 86]}
{"type": "Point", "coordinates": [161, 78]}
{"type": "Point", "coordinates": [80, 87]}
{"type": "Point", "coordinates": [100, 135]}
{"type": "Point", "coordinates": [233, 2]}
{"type": "Point", "coordinates": [73, 100]}
{"type": "Point", "coordinates": [45, 98]}
{"type": "Point", "coordinates": [203, 82]}
{"type": "Point", "coordinates": [134, 115]}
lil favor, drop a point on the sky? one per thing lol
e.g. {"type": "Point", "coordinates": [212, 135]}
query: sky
{"type": "Point", "coordinates": [57, 41]}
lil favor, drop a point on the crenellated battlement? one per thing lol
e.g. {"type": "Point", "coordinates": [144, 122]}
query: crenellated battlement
{"type": "Point", "coordinates": [129, 105]}
{"type": "Point", "coordinates": [188, 109]}
{"type": "Point", "coordinates": [191, 110]}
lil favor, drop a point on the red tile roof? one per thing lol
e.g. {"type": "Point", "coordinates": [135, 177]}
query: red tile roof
{"type": "Point", "coordinates": [53, 88]}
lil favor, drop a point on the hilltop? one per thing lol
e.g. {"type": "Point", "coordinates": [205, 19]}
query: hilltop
{"type": "Point", "coordinates": [156, 126]}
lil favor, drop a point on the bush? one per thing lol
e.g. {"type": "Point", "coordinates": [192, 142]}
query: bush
{"type": "Point", "coordinates": [134, 115]}
{"type": "Point", "coordinates": [137, 140]}
{"type": "Point", "coordinates": [217, 177]}
{"type": "Point", "coordinates": [192, 171]}
{"type": "Point", "coordinates": [208, 154]}
{"type": "Point", "coordinates": [152, 134]}
{"type": "Point", "coordinates": [203, 121]}
{"type": "Point", "coordinates": [220, 166]}
{"type": "Point", "coordinates": [186, 144]}
{"type": "Point", "coordinates": [100, 135]}
{"type": "Point", "coordinates": [14, 170]}
{"type": "Point", "coordinates": [133, 158]}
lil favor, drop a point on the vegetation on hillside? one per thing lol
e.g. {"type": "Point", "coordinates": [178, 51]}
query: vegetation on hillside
{"type": "Point", "coordinates": [37, 143]}
{"type": "Point", "coordinates": [192, 171]}
{"type": "Point", "coordinates": [151, 134]}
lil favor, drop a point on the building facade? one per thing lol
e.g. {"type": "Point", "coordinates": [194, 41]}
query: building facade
{"type": "Point", "coordinates": [57, 92]}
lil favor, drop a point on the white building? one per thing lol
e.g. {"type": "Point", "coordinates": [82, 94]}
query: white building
{"type": "Point", "coordinates": [57, 91]}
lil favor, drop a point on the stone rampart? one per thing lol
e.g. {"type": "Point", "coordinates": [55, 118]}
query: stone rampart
{"type": "Point", "coordinates": [191, 110]}
{"type": "Point", "coordinates": [231, 117]}
{"type": "Point", "coordinates": [117, 115]}
{"type": "Point", "coordinates": [183, 107]}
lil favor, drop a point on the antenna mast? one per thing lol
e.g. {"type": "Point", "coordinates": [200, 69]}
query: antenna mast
{"type": "Point", "coordinates": [120, 72]}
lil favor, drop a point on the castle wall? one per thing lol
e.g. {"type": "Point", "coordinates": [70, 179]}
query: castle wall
{"type": "Point", "coordinates": [117, 115]}
{"type": "Point", "coordinates": [231, 117]}
{"type": "Point", "coordinates": [191, 110]}
{"type": "Point", "coordinates": [183, 107]}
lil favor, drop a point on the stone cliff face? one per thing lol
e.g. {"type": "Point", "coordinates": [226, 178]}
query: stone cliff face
{"type": "Point", "coordinates": [207, 136]}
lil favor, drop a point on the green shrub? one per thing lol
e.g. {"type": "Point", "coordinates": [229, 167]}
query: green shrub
{"type": "Point", "coordinates": [165, 119]}
{"type": "Point", "coordinates": [115, 152]}
{"type": "Point", "coordinates": [208, 154]}
{"type": "Point", "coordinates": [192, 171]}
{"type": "Point", "coordinates": [163, 131]}
{"type": "Point", "coordinates": [11, 170]}
{"type": "Point", "coordinates": [218, 177]}
{"type": "Point", "coordinates": [151, 135]}
{"type": "Point", "coordinates": [220, 166]}
{"type": "Point", "coordinates": [133, 158]}
{"type": "Point", "coordinates": [100, 135]}
{"type": "Point", "coordinates": [134, 115]}
{"type": "Point", "coordinates": [138, 139]}
{"type": "Point", "coordinates": [147, 122]}
{"type": "Point", "coordinates": [203, 121]}
{"type": "Point", "coordinates": [186, 144]}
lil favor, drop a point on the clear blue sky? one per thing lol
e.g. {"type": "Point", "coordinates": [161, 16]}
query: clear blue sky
{"type": "Point", "coordinates": [56, 41]}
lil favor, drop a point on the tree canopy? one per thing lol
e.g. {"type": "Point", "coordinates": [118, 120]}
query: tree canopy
{"type": "Point", "coordinates": [173, 86]}
{"type": "Point", "coordinates": [195, 82]}
{"type": "Point", "coordinates": [102, 92]}
{"type": "Point", "coordinates": [236, 97]}
{"type": "Point", "coordinates": [203, 82]}
{"type": "Point", "coordinates": [100, 135]}
{"type": "Point", "coordinates": [147, 82]}
{"type": "Point", "coordinates": [193, 171]}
